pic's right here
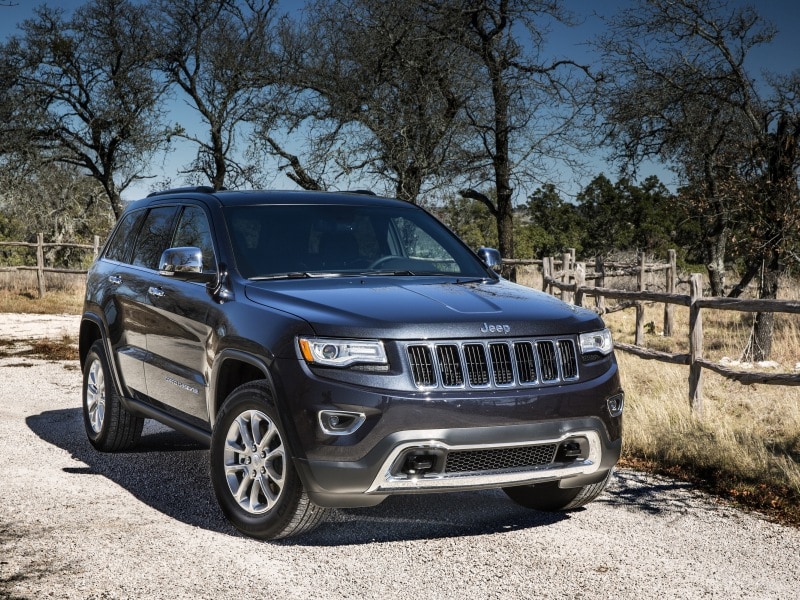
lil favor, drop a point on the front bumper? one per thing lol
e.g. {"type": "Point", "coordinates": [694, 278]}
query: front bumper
{"type": "Point", "coordinates": [363, 468]}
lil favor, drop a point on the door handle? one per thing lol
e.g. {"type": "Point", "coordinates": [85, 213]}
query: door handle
{"type": "Point", "coordinates": [114, 279]}
{"type": "Point", "coordinates": [156, 291]}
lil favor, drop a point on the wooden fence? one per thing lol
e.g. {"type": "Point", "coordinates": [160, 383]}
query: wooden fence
{"type": "Point", "coordinates": [40, 267]}
{"type": "Point", "coordinates": [571, 282]}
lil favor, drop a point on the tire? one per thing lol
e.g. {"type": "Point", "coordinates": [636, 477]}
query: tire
{"type": "Point", "coordinates": [551, 498]}
{"type": "Point", "coordinates": [109, 427]}
{"type": "Point", "coordinates": [255, 482]}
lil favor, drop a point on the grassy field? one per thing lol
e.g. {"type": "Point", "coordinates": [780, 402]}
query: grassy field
{"type": "Point", "coordinates": [745, 446]}
{"type": "Point", "coordinates": [19, 293]}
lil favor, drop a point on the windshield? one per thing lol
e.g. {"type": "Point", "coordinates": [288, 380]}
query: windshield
{"type": "Point", "coordinates": [310, 240]}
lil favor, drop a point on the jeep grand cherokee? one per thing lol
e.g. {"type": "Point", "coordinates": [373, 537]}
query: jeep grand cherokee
{"type": "Point", "coordinates": [336, 348]}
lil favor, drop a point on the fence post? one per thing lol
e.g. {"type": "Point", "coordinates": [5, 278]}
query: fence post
{"type": "Point", "coordinates": [639, 341]}
{"type": "Point", "coordinates": [95, 247]}
{"type": "Point", "coordinates": [546, 273]}
{"type": "Point", "coordinates": [696, 346]}
{"type": "Point", "coordinates": [580, 281]}
{"type": "Point", "coordinates": [669, 308]}
{"type": "Point", "coordinates": [566, 267]}
{"type": "Point", "coordinates": [600, 281]}
{"type": "Point", "coordinates": [40, 263]}
{"type": "Point", "coordinates": [641, 271]}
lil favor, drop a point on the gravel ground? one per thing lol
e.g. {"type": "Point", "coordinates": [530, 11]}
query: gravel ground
{"type": "Point", "coordinates": [75, 523]}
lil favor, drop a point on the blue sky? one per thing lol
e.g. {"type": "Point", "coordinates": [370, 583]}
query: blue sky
{"type": "Point", "coordinates": [781, 56]}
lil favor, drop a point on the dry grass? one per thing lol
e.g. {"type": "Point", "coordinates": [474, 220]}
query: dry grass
{"type": "Point", "coordinates": [746, 444]}
{"type": "Point", "coordinates": [19, 293]}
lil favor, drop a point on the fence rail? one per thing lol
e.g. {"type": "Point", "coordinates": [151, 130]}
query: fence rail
{"type": "Point", "coordinates": [570, 281]}
{"type": "Point", "coordinates": [41, 268]}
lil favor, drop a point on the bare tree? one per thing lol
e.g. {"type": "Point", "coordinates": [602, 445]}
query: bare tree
{"type": "Point", "coordinates": [82, 92]}
{"type": "Point", "coordinates": [217, 53]}
{"type": "Point", "coordinates": [524, 103]}
{"type": "Point", "coordinates": [384, 91]}
{"type": "Point", "coordinates": [681, 91]}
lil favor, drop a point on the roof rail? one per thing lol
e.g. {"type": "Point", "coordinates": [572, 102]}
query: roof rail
{"type": "Point", "coordinates": [198, 189]}
{"type": "Point", "coordinates": [365, 192]}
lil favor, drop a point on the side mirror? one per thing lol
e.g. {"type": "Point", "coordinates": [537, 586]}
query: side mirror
{"type": "Point", "coordinates": [491, 258]}
{"type": "Point", "coordinates": [184, 263]}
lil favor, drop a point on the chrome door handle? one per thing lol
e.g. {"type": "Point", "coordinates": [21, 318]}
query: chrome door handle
{"type": "Point", "coordinates": [114, 279]}
{"type": "Point", "coordinates": [156, 291]}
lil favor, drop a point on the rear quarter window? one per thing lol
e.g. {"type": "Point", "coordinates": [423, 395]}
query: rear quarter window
{"type": "Point", "coordinates": [123, 236]}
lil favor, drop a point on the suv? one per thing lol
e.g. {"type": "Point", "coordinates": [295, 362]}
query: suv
{"type": "Point", "coordinates": [333, 349]}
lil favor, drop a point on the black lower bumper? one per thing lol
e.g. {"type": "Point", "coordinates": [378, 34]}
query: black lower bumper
{"type": "Point", "coordinates": [368, 481]}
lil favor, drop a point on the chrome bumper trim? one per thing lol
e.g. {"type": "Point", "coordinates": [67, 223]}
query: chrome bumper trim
{"type": "Point", "coordinates": [386, 482]}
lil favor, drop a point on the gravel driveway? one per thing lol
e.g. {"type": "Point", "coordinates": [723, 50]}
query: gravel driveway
{"type": "Point", "coordinates": [78, 524]}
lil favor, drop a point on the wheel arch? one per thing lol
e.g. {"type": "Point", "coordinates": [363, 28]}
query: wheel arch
{"type": "Point", "coordinates": [231, 369]}
{"type": "Point", "coordinates": [91, 330]}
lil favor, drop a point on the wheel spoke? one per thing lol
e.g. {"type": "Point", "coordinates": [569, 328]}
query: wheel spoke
{"type": "Point", "coordinates": [266, 489]}
{"type": "Point", "coordinates": [243, 422]}
{"type": "Point", "coordinates": [241, 490]}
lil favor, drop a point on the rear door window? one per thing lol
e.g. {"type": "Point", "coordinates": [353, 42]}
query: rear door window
{"type": "Point", "coordinates": [154, 236]}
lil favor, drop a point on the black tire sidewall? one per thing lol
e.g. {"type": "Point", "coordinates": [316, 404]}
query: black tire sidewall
{"type": "Point", "coordinates": [272, 523]}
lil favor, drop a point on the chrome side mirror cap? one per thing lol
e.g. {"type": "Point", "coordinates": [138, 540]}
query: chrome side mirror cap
{"type": "Point", "coordinates": [184, 263]}
{"type": "Point", "coordinates": [491, 258]}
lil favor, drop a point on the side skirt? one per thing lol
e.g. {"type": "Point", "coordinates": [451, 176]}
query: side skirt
{"type": "Point", "coordinates": [150, 412]}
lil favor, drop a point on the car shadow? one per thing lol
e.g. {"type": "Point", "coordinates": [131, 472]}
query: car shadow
{"type": "Point", "coordinates": [168, 471]}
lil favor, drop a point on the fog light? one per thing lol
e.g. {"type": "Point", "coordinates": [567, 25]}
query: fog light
{"type": "Point", "coordinates": [340, 422]}
{"type": "Point", "coordinates": [615, 404]}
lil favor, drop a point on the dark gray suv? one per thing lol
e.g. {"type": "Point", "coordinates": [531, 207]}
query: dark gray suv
{"type": "Point", "coordinates": [337, 348]}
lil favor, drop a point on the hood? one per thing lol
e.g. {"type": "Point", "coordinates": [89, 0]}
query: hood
{"type": "Point", "coordinates": [422, 308]}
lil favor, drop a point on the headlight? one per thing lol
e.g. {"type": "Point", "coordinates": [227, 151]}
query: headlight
{"type": "Point", "coordinates": [596, 342]}
{"type": "Point", "coordinates": [341, 353]}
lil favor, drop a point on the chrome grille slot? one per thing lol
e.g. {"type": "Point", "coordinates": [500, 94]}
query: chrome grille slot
{"type": "Point", "coordinates": [499, 459]}
{"type": "Point", "coordinates": [501, 364]}
{"type": "Point", "coordinates": [569, 361]}
{"type": "Point", "coordinates": [526, 363]}
{"type": "Point", "coordinates": [496, 363]}
{"type": "Point", "coordinates": [450, 365]}
{"type": "Point", "coordinates": [547, 361]}
{"type": "Point", "coordinates": [421, 366]}
{"type": "Point", "coordinates": [477, 367]}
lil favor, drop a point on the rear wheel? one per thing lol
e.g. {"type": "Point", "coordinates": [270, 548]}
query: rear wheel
{"type": "Point", "coordinates": [549, 497]}
{"type": "Point", "coordinates": [255, 482]}
{"type": "Point", "coordinates": [109, 427]}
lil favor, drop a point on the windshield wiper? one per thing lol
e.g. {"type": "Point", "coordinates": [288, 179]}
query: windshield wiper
{"type": "Point", "coordinates": [295, 275]}
{"type": "Point", "coordinates": [389, 273]}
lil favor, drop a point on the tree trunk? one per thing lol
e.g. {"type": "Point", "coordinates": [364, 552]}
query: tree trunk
{"type": "Point", "coordinates": [759, 347]}
{"type": "Point", "coordinates": [716, 262]}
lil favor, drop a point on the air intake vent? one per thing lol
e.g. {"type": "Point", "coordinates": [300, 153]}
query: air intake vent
{"type": "Point", "coordinates": [499, 459]}
{"type": "Point", "coordinates": [499, 363]}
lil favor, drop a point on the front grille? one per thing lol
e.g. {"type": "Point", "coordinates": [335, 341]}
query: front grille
{"type": "Point", "coordinates": [497, 363]}
{"type": "Point", "coordinates": [499, 459]}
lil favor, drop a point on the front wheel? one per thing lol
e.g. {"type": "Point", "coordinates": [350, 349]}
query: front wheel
{"type": "Point", "coordinates": [549, 497]}
{"type": "Point", "coordinates": [255, 482]}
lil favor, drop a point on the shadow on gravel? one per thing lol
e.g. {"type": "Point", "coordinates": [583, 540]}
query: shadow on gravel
{"type": "Point", "coordinates": [646, 493]}
{"type": "Point", "coordinates": [169, 472]}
